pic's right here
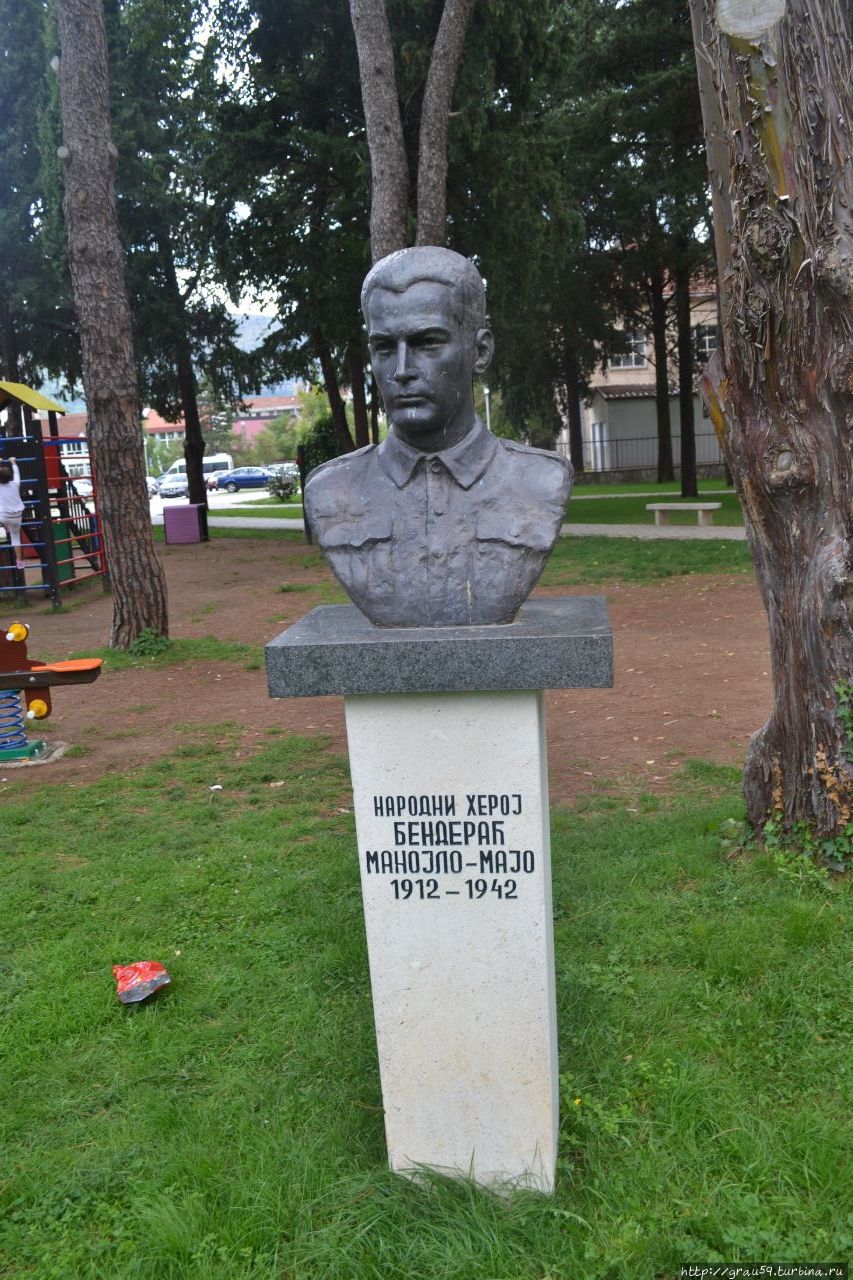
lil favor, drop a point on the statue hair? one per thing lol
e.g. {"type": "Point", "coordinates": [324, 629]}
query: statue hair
{"type": "Point", "coordinates": [406, 267]}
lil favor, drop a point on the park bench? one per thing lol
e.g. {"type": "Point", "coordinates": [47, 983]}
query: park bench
{"type": "Point", "coordinates": [704, 510]}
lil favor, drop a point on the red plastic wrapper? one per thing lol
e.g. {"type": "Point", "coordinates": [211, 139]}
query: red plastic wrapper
{"type": "Point", "coordinates": [138, 981]}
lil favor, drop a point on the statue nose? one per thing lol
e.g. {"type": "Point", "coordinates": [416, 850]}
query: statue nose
{"type": "Point", "coordinates": [403, 372]}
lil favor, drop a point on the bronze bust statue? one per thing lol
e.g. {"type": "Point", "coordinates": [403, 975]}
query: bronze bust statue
{"type": "Point", "coordinates": [443, 524]}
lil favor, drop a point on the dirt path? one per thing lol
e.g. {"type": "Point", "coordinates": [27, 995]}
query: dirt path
{"type": "Point", "coordinates": [692, 674]}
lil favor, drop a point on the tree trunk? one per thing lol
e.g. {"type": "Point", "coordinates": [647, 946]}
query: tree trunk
{"type": "Point", "coordinates": [194, 442]}
{"type": "Point", "coordinates": [333, 391]}
{"type": "Point", "coordinates": [355, 363]}
{"type": "Point", "coordinates": [389, 168]}
{"type": "Point", "coordinates": [689, 486]}
{"type": "Point", "coordinates": [11, 373]}
{"type": "Point", "coordinates": [10, 343]}
{"type": "Point", "coordinates": [778, 122]}
{"type": "Point", "coordinates": [374, 411]}
{"type": "Point", "coordinates": [658, 310]}
{"type": "Point", "coordinates": [109, 372]}
{"type": "Point", "coordinates": [573, 411]}
{"type": "Point", "coordinates": [435, 120]}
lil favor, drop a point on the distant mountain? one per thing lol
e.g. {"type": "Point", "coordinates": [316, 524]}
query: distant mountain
{"type": "Point", "coordinates": [251, 331]}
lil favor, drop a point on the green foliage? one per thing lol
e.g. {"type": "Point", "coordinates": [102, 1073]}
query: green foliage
{"type": "Point", "coordinates": [282, 486]}
{"type": "Point", "coordinates": [163, 90]}
{"type": "Point", "coordinates": [291, 176]}
{"type": "Point", "coordinates": [320, 442]}
{"type": "Point", "coordinates": [161, 454]}
{"type": "Point", "coordinates": [232, 1128]}
{"type": "Point", "coordinates": [148, 644]}
{"type": "Point", "coordinates": [801, 855]}
{"type": "Point", "coordinates": [38, 335]}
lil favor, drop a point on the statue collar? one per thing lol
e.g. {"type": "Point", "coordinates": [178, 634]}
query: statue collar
{"type": "Point", "coordinates": [466, 461]}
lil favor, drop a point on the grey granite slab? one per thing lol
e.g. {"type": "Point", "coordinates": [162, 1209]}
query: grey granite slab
{"type": "Point", "coordinates": [555, 643]}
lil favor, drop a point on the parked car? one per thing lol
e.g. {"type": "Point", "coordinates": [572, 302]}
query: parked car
{"type": "Point", "coordinates": [284, 468]}
{"type": "Point", "coordinates": [173, 486]}
{"type": "Point", "coordinates": [243, 478]}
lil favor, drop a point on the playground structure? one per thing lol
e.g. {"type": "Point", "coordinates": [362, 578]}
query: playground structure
{"type": "Point", "coordinates": [20, 674]}
{"type": "Point", "coordinates": [61, 534]}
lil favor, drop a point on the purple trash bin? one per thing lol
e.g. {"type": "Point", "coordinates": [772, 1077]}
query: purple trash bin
{"type": "Point", "coordinates": [187, 523]}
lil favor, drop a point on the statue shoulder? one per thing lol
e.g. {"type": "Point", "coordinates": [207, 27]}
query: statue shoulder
{"type": "Point", "coordinates": [336, 468]}
{"type": "Point", "coordinates": [541, 469]}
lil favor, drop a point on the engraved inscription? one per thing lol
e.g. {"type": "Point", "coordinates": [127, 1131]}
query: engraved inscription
{"type": "Point", "coordinates": [432, 853]}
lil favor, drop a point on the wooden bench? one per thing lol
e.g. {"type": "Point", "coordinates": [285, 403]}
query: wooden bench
{"type": "Point", "coordinates": [704, 510]}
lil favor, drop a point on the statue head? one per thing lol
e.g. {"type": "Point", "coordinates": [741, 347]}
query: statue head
{"type": "Point", "coordinates": [425, 310]}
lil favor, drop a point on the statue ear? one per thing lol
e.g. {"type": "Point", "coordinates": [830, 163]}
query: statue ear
{"type": "Point", "coordinates": [484, 346]}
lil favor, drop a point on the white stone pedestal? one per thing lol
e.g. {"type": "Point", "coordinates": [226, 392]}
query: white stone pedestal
{"type": "Point", "coordinates": [451, 800]}
{"type": "Point", "coordinates": [451, 805]}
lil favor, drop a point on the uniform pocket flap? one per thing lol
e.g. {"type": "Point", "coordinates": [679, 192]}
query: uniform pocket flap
{"type": "Point", "coordinates": [516, 530]}
{"type": "Point", "coordinates": [355, 533]}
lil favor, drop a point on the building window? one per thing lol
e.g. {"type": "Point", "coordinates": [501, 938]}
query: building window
{"type": "Point", "coordinates": [706, 342]}
{"type": "Point", "coordinates": [632, 354]}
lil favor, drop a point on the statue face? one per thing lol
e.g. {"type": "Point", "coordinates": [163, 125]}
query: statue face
{"type": "Point", "coordinates": [424, 363]}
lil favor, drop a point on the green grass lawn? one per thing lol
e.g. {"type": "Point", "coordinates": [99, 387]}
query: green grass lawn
{"type": "Point", "coordinates": [232, 1130]}
{"type": "Point", "coordinates": [632, 510]}
{"type": "Point", "coordinates": [577, 561]}
{"type": "Point", "coordinates": [592, 561]}
{"type": "Point", "coordinates": [264, 507]}
{"type": "Point", "coordinates": [670, 488]}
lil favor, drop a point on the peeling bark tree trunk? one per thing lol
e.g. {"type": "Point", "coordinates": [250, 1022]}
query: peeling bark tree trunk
{"type": "Point", "coordinates": [658, 311]}
{"type": "Point", "coordinates": [776, 99]}
{"type": "Point", "coordinates": [109, 372]}
{"type": "Point", "coordinates": [689, 486]}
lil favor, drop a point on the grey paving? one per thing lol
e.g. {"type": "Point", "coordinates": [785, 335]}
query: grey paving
{"type": "Point", "coordinates": [555, 643]}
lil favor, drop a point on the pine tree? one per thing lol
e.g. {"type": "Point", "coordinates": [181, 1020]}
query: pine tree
{"type": "Point", "coordinates": [109, 372]}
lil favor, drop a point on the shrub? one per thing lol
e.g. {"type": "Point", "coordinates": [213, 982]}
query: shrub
{"type": "Point", "coordinates": [282, 486]}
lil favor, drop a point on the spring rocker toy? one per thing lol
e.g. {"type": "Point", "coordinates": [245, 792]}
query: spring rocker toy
{"type": "Point", "coordinates": [20, 674]}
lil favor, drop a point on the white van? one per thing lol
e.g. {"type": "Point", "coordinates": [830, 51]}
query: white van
{"type": "Point", "coordinates": [210, 464]}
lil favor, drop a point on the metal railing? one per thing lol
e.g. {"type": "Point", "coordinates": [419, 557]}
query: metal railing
{"type": "Point", "coordinates": [641, 452]}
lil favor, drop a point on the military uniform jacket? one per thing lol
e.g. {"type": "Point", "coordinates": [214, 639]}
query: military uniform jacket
{"type": "Point", "coordinates": [444, 539]}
